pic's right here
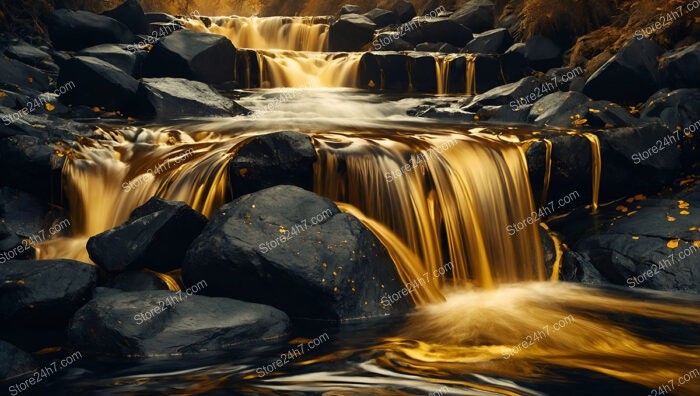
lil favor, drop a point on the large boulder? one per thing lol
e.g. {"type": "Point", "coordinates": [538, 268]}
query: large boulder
{"type": "Point", "coordinates": [130, 14]}
{"type": "Point", "coordinates": [423, 72]}
{"type": "Point", "coordinates": [156, 236]}
{"type": "Point", "coordinates": [351, 32]}
{"type": "Point", "coordinates": [477, 15]}
{"type": "Point", "coordinates": [44, 293]}
{"type": "Point", "coordinates": [38, 161]}
{"type": "Point", "coordinates": [23, 213]}
{"type": "Point", "coordinates": [74, 30]}
{"type": "Point", "coordinates": [273, 159]}
{"type": "Point", "coordinates": [290, 248]}
{"type": "Point", "coordinates": [390, 41]}
{"type": "Point", "coordinates": [349, 9]}
{"type": "Point", "coordinates": [404, 10]}
{"type": "Point", "coordinates": [137, 281]}
{"type": "Point", "coordinates": [542, 54]}
{"type": "Point", "coordinates": [97, 83]}
{"type": "Point", "coordinates": [517, 94]}
{"type": "Point", "coordinates": [156, 323]}
{"type": "Point", "coordinates": [630, 76]}
{"type": "Point", "coordinates": [14, 362]}
{"type": "Point", "coordinates": [575, 110]}
{"type": "Point", "coordinates": [495, 41]}
{"type": "Point", "coordinates": [514, 66]}
{"type": "Point", "coordinates": [679, 108]}
{"type": "Point", "coordinates": [28, 54]}
{"type": "Point", "coordinates": [115, 55]}
{"type": "Point", "coordinates": [205, 57]}
{"type": "Point", "coordinates": [382, 17]}
{"type": "Point", "coordinates": [18, 76]}
{"type": "Point", "coordinates": [679, 68]}
{"type": "Point", "coordinates": [172, 98]}
{"type": "Point", "coordinates": [436, 30]}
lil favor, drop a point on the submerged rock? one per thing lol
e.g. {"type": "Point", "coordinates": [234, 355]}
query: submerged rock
{"type": "Point", "coordinates": [156, 236]}
{"type": "Point", "coordinates": [273, 159]}
{"type": "Point", "coordinates": [44, 293]}
{"type": "Point", "coordinates": [156, 323]}
{"type": "Point", "coordinates": [74, 30]}
{"type": "Point", "coordinates": [204, 57]}
{"type": "Point", "coordinates": [295, 250]}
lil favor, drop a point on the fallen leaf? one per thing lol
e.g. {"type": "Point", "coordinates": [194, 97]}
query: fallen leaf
{"type": "Point", "coordinates": [580, 122]}
{"type": "Point", "coordinates": [696, 243]}
{"type": "Point", "coordinates": [371, 84]}
{"type": "Point", "coordinates": [635, 237]}
{"type": "Point", "coordinates": [96, 109]}
{"type": "Point", "coordinates": [672, 244]}
{"type": "Point", "coordinates": [2, 94]}
{"type": "Point", "coordinates": [50, 107]}
{"type": "Point", "coordinates": [622, 209]}
{"type": "Point", "coordinates": [670, 218]}
{"type": "Point", "coordinates": [685, 212]}
{"type": "Point", "coordinates": [30, 79]}
{"type": "Point", "coordinates": [640, 197]}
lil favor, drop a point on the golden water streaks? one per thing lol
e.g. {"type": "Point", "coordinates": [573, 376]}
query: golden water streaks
{"type": "Point", "coordinates": [292, 69]}
{"type": "Point", "coordinates": [596, 167]}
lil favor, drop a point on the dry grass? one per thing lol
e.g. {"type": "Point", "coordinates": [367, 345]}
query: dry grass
{"type": "Point", "coordinates": [24, 17]}
{"type": "Point", "coordinates": [575, 17]}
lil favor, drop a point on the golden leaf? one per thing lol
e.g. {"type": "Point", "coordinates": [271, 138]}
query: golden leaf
{"type": "Point", "coordinates": [640, 197]}
{"type": "Point", "coordinates": [371, 84]}
{"type": "Point", "coordinates": [670, 218]}
{"type": "Point", "coordinates": [672, 244]}
{"type": "Point", "coordinates": [685, 212]}
{"type": "Point", "coordinates": [580, 122]}
{"type": "Point", "coordinates": [594, 110]}
{"type": "Point", "coordinates": [96, 109]}
{"type": "Point", "coordinates": [50, 107]}
{"type": "Point", "coordinates": [2, 94]}
{"type": "Point", "coordinates": [622, 209]}
{"type": "Point", "coordinates": [635, 237]}
{"type": "Point", "coordinates": [30, 79]}
{"type": "Point", "coordinates": [696, 243]}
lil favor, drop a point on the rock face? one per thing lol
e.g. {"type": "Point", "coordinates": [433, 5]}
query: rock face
{"type": "Point", "coordinates": [14, 361]}
{"type": "Point", "coordinates": [477, 15]}
{"type": "Point", "coordinates": [293, 249]}
{"type": "Point", "coordinates": [349, 9]}
{"type": "Point", "coordinates": [679, 69]}
{"type": "Point", "coordinates": [44, 293]}
{"type": "Point", "coordinates": [273, 159]}
{"type": "Point", "coordinates": [630, 76]}
{"type": "Point", "coordinates": [647, 250]}
{"type": "Point", "coordinates": [351, 32]}
{"type": "Point", "coordinates": [144, 324]}
{"type": "Point", "coordinates": [130, 14]}
{"type": "Point", "coordinates": [97, 83]}
{"type": "Point", "coordinates": [436, 30]}
{"type": "Point", "coordinates": [172, 98]}
{"type": "Point", "coordinates": [156, 236]}
{"type": "Point", "coordinates": [205, 57]}
{"type": "Point", "coordinates": [75, 30]}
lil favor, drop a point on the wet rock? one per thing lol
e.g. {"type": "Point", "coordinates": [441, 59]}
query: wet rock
{"type": "Point", "coordinates": [404, 10]}
{"type": "Point", "coordinates": [130, 14]}
{"type": "Point", "coordinates": [441, 112]}
{"type": "Point", "coordinates": [506, 94]}
{"type": "Point", "coordinates": [74, 30]}
{"type": "Point", "coordinates": [514, 66]}
{"type": "Point", "coordinates": [10, 243]}
{"type": "Point", "coordinates": [172, 98]}
{"type": "Point", "coordinates": [384, 71]}
{"type": "Point", "coordinates": [136, 281]}
{"type": "Point", "coordinates": [14, 361]}
{"type": "Point", "coordinates": [488, 73]}
{"type": "Point", "coordinates": [679, 108]}
{"type": "Point", "coordinates": [18, 76]}
{"type": "Point", "coordinates": [574, 110]}
{"type": "Point", "coordinates": [36, 158]}
{"type": "Point", "coordinates": [295, 250]}
{"type": "Point", "coordinates": [382, 17]}
{"type": "Point", "coordinates": [97, 83]}
{"type": "Point", "coordinates": [423, 73]}
{"type": "Point", "coordinates": [247, 68]}
{"type": "Point", "coordinates": [640, 250]}
{"type": "Point", "coordinates": [390, 41]}
{"type": "Point", "coordinates": [192, 55]}
{"type": "Point", "coordinates": [630, 76]}
{"type": "Point", "coordinates": [349, 9]}
{"type": "Point", "coordinates": [28, 54]}
{"type": "Point", "coordinates": [351, 32]}
{"type": "Point", "coordinates": [444, 48]}
{"type": "Point", "coordinates": [159, 17]}
{"type": "Point", "coordinates": [679, 68]}
{"type": "Point", "coordinates": [567, 78]}
{"type": "Point", "coordinates": [116, 56]}
{"type": "Point", "coordinates": [495, 41]}
{"type": "Point", "coordinates": [133, 324]}
{"type": "Point", "coordinates": [557, 105]}
{"type": "Point", "coordinates": [273, 159]}
{"type": "Point", "coordinates": [23, 213]}
{"type": "Point", "coordinates": [578, 268]}
{"type": "Point", "coordinates": [436, 30]}
{"type": "Point", "coordinates": [156, 236]}
{"type": "Point", "coordinates": [477, 15]}
{"type": "Point", "coordinates": [542, 53]}
{"type": "Point", "coordinates": [44, 293]}
{"type": "Point", "coordinates": [504, 114]}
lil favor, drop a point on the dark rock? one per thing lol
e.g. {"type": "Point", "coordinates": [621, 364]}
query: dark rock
{"type": "Point", "coordinates": [14, 362]}
{"type": "Point", "coordinates": [349, 9]}
{"type": "Point", "coordinates": [41, 123]}
{"type": "Point", "coordinates": [137, 281]}
{"type": "Point", "coordinates": [577, 268]}
{"type": "Point", "coordinates": [436, 30]}
{"type": "Point", "coordinates": [154, 237]}
{"type": "Point", "coordinates": [23, 213]}
{"type": "Point", "coordinates": [477, 15]}
{"type": "Point", "coordinates": [172, 98]}
{"type": "Point", "coordinates": [130, 14]}
{"type": "Point", "coordinates": [404, 10]}
{"type": "Point", "coordinates": [389, 41]}
{"type": "Point", "coordinates": [97, 83]}
{"type": "Point", "coordinates": [647, 261]}
{"type": "Point", "coordinates": [192, 55]}
{"type": "Point", "coordinates": [37, 159]}
{"type": "Point", "coordinates": [384, 71]}
{"type": "Point", "coordinates": [273, 159]}
{"type": "Point", "coordinates": [495, 41]}
{"type": "Point", "coordinates": [513, 63]}
{"type": "Point", "coordinates": [488, 73]}
{"type": "Point", "coordinates": [597, 114]}
{"type": "Point", "coordinates": [679, 68]}
{"type": "Point", "coordinates": [567, 77]}
{"type": "Point", "coordinates": [10, 244]}
{"type": "Point", "coordinates": [143, 324]}
{"type": "Point", "coordinates": [504, 114]}
{"type": "Point", "coordinates": [679, 108]}
{"type": "Point", "coordinates": [247, 68]}
{"type": "Point", "coordinates": [630, 76]}
{"type": "Point", "coordinates": [116, 56]}
{"type": "Point", "coordinates": [26, 53]}
{"type": "Point", "coordinates": [160, 30]}
{"type": "Point", "coordinates": [443, 113]}
{"type": "Point", "coordinates": [335, 270]}
{"type": "Point", "coordinates": [44, 293]}
{"type": "Point", "coordinates": [351, 32]}
{"type": "Point", "coordinates": [75, 30]}
{"type": "Point", "coordinates": [558, 105]}
{"type": "Point", "coordinates": [444, 48]}
{"type": "Point", "coordinates": [510, 94]}
{"type": "Point", "coordinates": [159, 17]}
{"type": "Point", "coordinates": [542, 53]}
{"type": "Point", "coordinates": [382, 18]}
{"type": "Point", "coordinates": [16, 75]}
{"type": "Point", "coordinates": [423, 72]}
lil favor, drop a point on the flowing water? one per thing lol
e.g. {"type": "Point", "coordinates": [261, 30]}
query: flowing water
{"type": "Point", "coordinates": [433, 193]}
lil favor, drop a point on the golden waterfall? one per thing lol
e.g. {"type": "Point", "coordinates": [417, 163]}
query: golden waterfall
{"type": "Point", "coordinates": [308, 69]}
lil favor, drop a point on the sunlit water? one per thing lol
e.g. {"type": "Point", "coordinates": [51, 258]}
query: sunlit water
{"type": "Point", "coordinates": [493, 326]}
